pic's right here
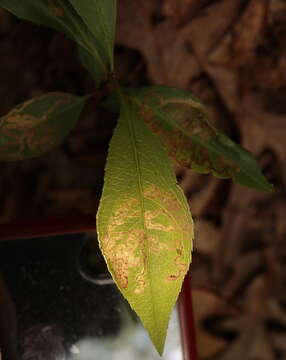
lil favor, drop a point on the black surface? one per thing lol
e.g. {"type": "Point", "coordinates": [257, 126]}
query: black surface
{"type": "Point", "coordinates": [51, 298]}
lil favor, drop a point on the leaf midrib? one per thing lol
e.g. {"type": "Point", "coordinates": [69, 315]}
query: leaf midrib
{"type": "Point", "coordinates": [132, 136]}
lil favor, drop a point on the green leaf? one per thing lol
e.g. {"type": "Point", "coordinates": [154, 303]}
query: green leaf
{"type": "Point", "coordinates": [37, 125]}
{"type": "Point", "coordinates": [88, 62]}
{"type": "Point", "coordinates": [61, 15]}
{"type": "Point", "coordinates": [182, 123]}
{"type": "Point", "coordinates": [144, 225]}
{"type": "Point", "coordinates": [100, 18]}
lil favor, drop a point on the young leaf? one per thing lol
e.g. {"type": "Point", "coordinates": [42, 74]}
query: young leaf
{"type": "Point", "coordinates": [182, 123]}
{"type": "Point", "coordinates": [88, 63]}
{"type": "Point", "coordinates": [100, 18]}
{"type": "Point", "coordinates": [37, 125]}
{"type": "Point", "coordinates": [60, 15]}
{"type": "Point", "coordinates": [144, 225]}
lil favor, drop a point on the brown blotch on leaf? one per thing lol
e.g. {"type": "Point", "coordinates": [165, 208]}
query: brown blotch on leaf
{"type": "Point", "coordinates": [56, 10]}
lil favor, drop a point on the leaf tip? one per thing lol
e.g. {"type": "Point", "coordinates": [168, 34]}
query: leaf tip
{"type": "Point", "coordinates": [158, 339]}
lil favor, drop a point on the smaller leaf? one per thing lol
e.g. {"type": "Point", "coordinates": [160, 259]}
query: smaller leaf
{"type": "Point", "coordinates": [88, 63]}
{"type": "Point", "coordinates": [182, 123]}
{"type": "Point", "coordinates": [100, 18]}
{"type": "Point", "coordinates": [37, 125]}
{"type": "Point", "coordinates": [62, 16]}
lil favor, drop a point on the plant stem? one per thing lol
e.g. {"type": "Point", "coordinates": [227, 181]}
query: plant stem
{"type": "Point", "coordinates": [187, 324]}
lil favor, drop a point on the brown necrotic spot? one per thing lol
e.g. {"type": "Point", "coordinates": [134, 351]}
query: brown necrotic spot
{"type": "Point", "coordinates": [124, 250]}
{"type": "Point", "coordinates": [178, 224]}
{"type": "Point", "coordinates": [56, 10]}
{"type": "Point", "coordinates": [134, 238]}
{"type": "Point", "coordinates": [20, 126]}
{"type": "Point", "coordinates": [20, 118]}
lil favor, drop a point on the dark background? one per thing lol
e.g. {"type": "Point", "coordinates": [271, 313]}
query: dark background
{"type": "Point", "coordinates": [232, 55]}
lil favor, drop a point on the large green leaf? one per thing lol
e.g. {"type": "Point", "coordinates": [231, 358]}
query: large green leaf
{"type": "Point", "coordinates": [61, 15]}
{"type": "Point", "coordinates": [38, 125]}
{"type": "Point", "coordinates": [100, 18]}
{"type": "Point", "coordinates": [144, 225]}
{"type": "Point", "coordinates": [182, 123]}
